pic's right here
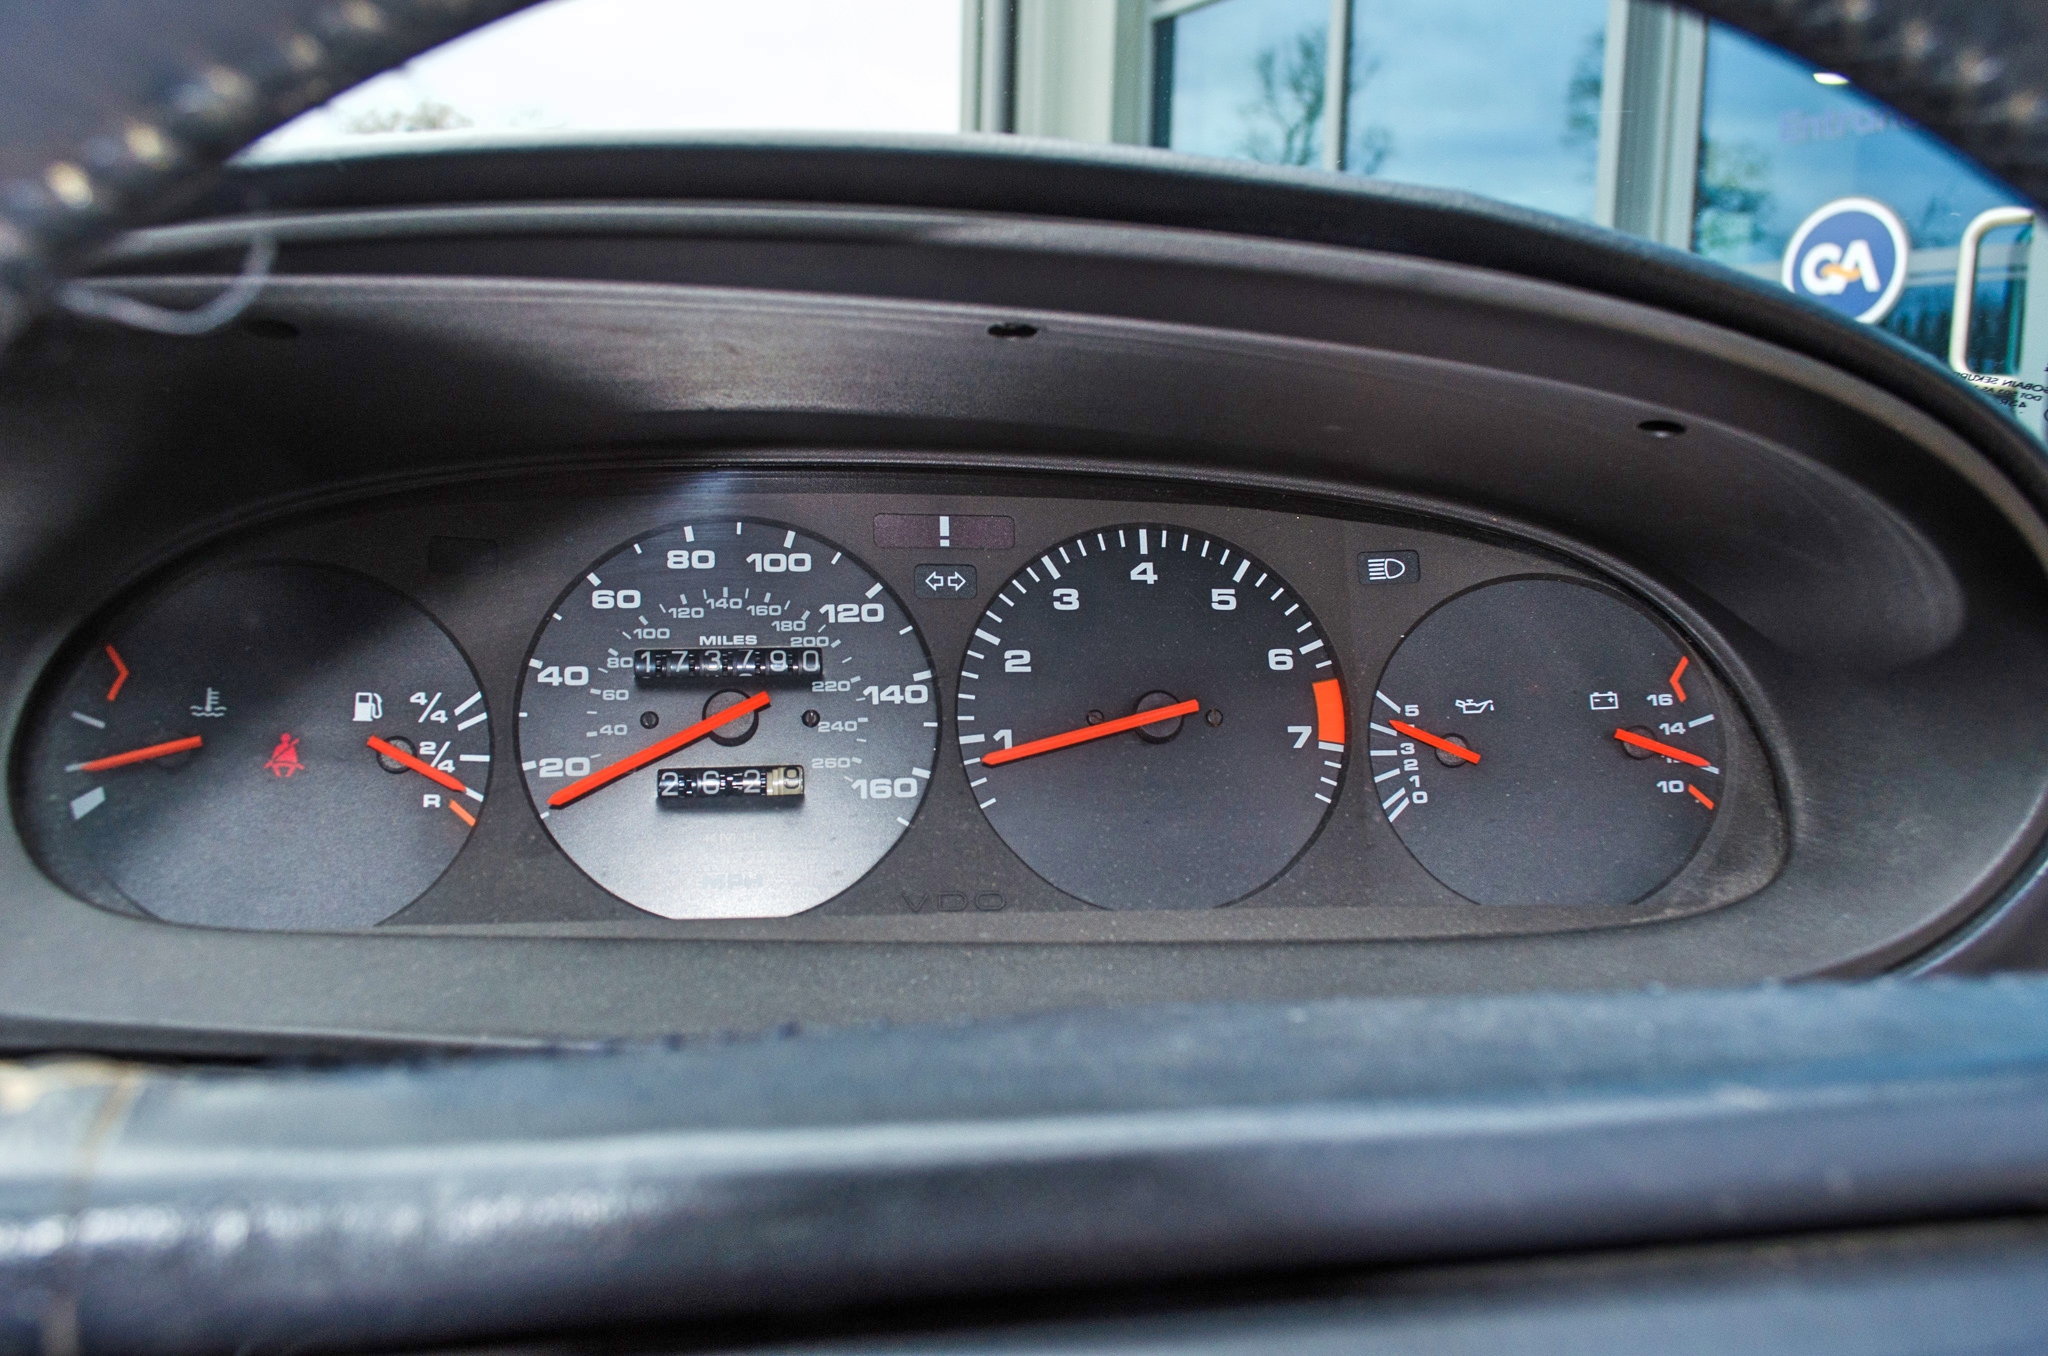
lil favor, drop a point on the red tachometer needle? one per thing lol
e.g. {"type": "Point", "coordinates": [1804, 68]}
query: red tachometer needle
{"type": "Point", "coordinates": [139, 755]}
{"type": "Point", "coordinates": [655, 752]}
{"type": "Point", "coordinates": [1088, 732]}
{"type": "Point", "coordinates": [1641, 742]}
{"type": "Point", "coordinates": [1436, 742]}
{"type": "Point", "coordinates": [421, 766]}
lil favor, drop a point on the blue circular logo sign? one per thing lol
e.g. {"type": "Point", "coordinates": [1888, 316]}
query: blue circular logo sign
{"type": "Point", "coordinates": [1850, 256]}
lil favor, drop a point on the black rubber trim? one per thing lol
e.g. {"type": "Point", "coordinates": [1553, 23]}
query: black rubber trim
{"type": "Point", "coordinates": [178, 1212]}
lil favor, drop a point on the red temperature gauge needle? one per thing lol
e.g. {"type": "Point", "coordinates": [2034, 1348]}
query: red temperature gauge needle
{"type": "Point", "coordinates": [1631, 737]}
{"type": "Point", "coordinates": [421, 766]}
{"type": "Point", "coordinates": [655, 752]}
{"type": "Point", "coordinates": [1455, 750]}
{"type": "Point", "coordinates": [1087, 732]}
{"type": "Point", "coordinates": [139, 755]}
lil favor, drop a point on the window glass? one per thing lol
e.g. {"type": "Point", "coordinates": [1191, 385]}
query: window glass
{"type": "Point", "coordinates": [1244, 78]}
{"type": "Point", "coordinates": [1500, 97]}
{"type": "Point", "coordinates": [1776, 144]}
{"type": "Point", "coordinates": [571, 66]}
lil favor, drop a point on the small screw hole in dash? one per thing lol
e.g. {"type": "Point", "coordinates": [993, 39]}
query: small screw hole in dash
{"type": "Point", "coordinates": [1661, 428]}
{"type": "Point", "coordinates": [1012, 329]}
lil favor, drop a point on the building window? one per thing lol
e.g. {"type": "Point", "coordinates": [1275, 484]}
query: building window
{"type": "Point", "coordinates": [1775, 144]}
{"type": "Point", "coordinates": [1500, 97]}
{"type": "Point", "coordinates": [1246, 79]}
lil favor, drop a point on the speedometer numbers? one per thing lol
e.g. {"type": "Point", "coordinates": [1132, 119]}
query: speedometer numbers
{"type": "Point", "coordinates": [728, 719]}
{"type": "Point", "coordinates": [1542, 741]}
{"type": "Point", "coordinates": [1151, 719]}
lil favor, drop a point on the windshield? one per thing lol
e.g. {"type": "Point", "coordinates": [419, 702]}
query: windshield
{"type": "Point", "coordinates": [1625, 114]}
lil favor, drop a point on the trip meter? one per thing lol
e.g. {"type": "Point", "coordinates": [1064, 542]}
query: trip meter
{"type": "Point", "coordinates": [727, 719]}
{"type": "Point", "coordinates": [1543, 741]}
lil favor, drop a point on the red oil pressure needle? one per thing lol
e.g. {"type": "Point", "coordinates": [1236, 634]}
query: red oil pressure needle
{"type": "Point", "coordinates": [1088, 732]}
{"type": "Point", "coordinates": [139, 755]}
{"type": "Point", "coordinates": [421, 766]}
{"type": "Point", "coordinates": [1455, 750]}
{"type": "Point", "coordinates": [1631, 737]}
{"type": "Point", "coordinates": [655, 752]}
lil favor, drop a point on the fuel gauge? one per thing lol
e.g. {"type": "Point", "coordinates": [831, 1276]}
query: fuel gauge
{"type": "Point", "coordinates": [1544, 741]}
{"type": "Point", "coordinates": [273, 746]}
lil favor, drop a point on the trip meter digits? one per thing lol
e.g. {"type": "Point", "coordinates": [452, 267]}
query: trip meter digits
{"type": "Point", "coordinates": [1151, 719]}
{"type": "Point", "coordinates": [1543, 741]}
{"type": "Point", "coordinates": [727, 719]}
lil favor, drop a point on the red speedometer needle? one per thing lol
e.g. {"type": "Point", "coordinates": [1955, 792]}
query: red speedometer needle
{"type": "Point", "coordinates": [1641, 742]}
{"type": "Point", "coordinates": [1436, 741]}
{"type": "Point", "coordinates": [421, 766]}
{"type": "Point", "coordinates": [143, 755]}
{"type": "Point", "coordinates": [1088, 732]}
{"type": "Point", "coordinates": [657, 751]}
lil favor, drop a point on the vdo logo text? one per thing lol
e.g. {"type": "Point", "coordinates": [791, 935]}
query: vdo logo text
{"type": "Point", "coordinates": [1851, 257]}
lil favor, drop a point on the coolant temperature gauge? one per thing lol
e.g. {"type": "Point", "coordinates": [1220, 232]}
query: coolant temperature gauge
{"type": "Point", "coordinates": [274, 746]}
{"type": "Point", "coordinates": [1542, 741]}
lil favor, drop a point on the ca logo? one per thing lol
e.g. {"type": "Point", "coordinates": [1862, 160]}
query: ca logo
{"type": "Point", "coordinates": [1851, 257]}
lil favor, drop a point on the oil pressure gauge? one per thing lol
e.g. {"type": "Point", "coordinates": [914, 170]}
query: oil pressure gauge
{"type": "Point", "coordinates": [1544, 741]}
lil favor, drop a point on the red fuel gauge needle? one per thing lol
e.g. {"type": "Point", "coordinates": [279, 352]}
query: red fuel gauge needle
{"type": "Point", "coordinates": [996, 757]}
{"type": "Point", "coordinates": [421, 766]}
{"type": "Point", "coordinates": [1455, 750]}
{"type": "Point", "coordinates": [655, 752]}
{"type": "Point", "coordinates": [142, 755]}
{"type": "Point", "coordinates": [1642, 742]}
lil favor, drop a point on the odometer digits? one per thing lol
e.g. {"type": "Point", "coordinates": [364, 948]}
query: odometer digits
{"type": "Point", "coordinates": [727, 719]}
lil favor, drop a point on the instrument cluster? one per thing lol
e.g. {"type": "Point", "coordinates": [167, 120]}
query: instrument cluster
{"type": "Point", "coordinates": [878, 704]}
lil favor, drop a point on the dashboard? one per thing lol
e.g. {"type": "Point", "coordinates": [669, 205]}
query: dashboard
{"type": "Point", "coordinates": [737, 706]}
{"type": "Point", "coordinates": [580, 620]}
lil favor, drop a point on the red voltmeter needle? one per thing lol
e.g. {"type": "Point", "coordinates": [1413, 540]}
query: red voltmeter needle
{"type": "Point", "coordinates": [421, 766]}
{"type": "Point", "coordinates": [164, 750]}
{"type": "Point", "coordinates": [1641, 742]}
{"type": "Point", "coordinates": [1088, 732]}
{"type": "Point", "coordinates": [1455, 750]}
{"type": "Point", "coordinates": [657, 751]}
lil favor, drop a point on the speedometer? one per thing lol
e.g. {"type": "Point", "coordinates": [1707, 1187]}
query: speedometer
{"type": "Point", "coordinates": [727, 719]}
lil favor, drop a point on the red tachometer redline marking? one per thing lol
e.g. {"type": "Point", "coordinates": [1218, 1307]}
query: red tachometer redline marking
{"type": "Point", "coordinates": [1683, 660]}
{"type": "Point", "coordinates": [142, 755]}
{"type": "Point", "coordinates": [1699, 795]}
{"type": "Point", "coordinates": [655, 752]}
{"type": "Point", "coordinates": [424, 768]}
{"type": "Point", "coordinates": [1087, 732]}
{"type": "Point", "coordinates": [1641, 742]}
{"type": "Point", "coordinates": [120, 673]}
{"type": "Point", "coordinates": [1455, 750]}
{"type": "Point", "coordinates": [1329, 712]}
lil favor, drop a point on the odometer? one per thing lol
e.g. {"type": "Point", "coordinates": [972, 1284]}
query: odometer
{"type": "Point", "coordinates": [727, 719]}
{"type": "Point", "coordinates": [1152, 719]}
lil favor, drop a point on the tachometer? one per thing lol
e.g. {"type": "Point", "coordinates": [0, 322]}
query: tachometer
{"type": "Point", "coordinates": [273, 746]}
{"type": "Point", "coordinates": [1542, 741]}
{"type": "Point", "coordinates": [727, 719]}
{"type": "Point", "coordinates": [1152, 719]}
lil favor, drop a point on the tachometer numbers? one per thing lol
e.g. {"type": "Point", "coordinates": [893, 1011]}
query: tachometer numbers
{"type": "Point", "coordinates": [1543, 741]}
{"type": "Point", "coordinates": [708, 713]}
{"type": "Point", "coordinates": [1152, 719]}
